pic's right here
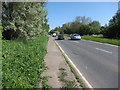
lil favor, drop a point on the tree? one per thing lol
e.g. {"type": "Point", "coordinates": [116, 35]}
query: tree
{"type": "Point", "coordinates": [95, 27]}
{"type": "Point", "coordinates": [83, 19]}
{"type": "Point", "coordinates": [24, 20]}
{"type": "Point", "coordinates": [113, 30]}
{"type": "Point", "coordinates": [84, 29]}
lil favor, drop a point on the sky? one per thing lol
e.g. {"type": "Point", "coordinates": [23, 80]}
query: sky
{"type": "Point", "coordinates": [63, 12]}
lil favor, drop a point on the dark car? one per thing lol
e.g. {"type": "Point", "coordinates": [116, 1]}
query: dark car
{"type": "Point", "coordinates": [61, 37]}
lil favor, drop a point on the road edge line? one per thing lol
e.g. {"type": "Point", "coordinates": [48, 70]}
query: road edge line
{"type": "Point", "coordinates": [87, 84]}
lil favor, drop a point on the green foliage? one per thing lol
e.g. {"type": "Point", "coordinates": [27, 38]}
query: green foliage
{"type": "Point", "coordinates": [22, 62]}
{"type": "Point", "coordinates": [84, 26]}
{"type": "Point", "coordinates": [84, 29]}
{"type": "Point", "coordinates": [45, 85]}
{"type": "Point", "coordinates": [81, 25]}
{"type": "Point", "coordinates": [113, 30]}
{"type": "Point", "coordinates": [24, 19]}
{"type": "Point", "coordinates": [52, 31]}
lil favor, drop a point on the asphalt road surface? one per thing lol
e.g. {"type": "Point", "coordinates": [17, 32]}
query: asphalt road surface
{"type": "Point", "coordinates": [96, 61]}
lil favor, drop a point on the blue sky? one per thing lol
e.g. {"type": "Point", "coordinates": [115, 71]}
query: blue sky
{"type": "Point", "coordinates": [63, 12]}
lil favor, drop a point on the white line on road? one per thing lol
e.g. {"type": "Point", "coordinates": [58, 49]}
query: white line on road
{"type": "Point", "coordinates": [75, 41]}
{"type": "Point", "coordinates": [104, 50]}
{"type": "Point", "coordinates": [84, 79]}
{"type": "Point", "coordinates": [100, 43]}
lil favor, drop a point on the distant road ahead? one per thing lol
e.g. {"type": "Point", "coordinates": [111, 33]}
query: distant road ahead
{"type": "Point", "coordinates": [97, 62]}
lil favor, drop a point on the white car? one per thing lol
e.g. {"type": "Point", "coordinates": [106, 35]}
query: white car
{"type": "Point", "coordinates": [54, 34]}
{"type": "Point", "coordinates": [76, 36]}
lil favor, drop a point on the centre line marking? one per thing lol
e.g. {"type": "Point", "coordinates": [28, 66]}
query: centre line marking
{"type": "Point", "coordinates": [104, 50]}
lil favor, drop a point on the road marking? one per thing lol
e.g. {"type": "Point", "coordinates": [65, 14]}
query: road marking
{"type": "Point", "coordinates": [81, 75]}
{"type": "Point", "coordinates": [101, 43]}
{"type": "Point", "coordinates": [104, 50]}
{"type": "Point", "coordinates": [75, 41]}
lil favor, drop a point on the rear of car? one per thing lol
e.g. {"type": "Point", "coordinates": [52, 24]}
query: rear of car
{"type": "Point", "coordinates": [54, 34]}
{"type": "Point", "coordinates": [61, 37]}
{"type": "Point", "coordinates": [75, 37]}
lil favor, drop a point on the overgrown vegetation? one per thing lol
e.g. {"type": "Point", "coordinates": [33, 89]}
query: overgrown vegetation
{"type": "Point", "coordinates": [85, 26]}
{"type": "Point", "coordinates": [24, 43]}
{"type": "Point", "coordinates": [22, 62]}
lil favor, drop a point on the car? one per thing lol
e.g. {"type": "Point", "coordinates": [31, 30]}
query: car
{"type": "Point", "coordinates": [54, 34]}
{"type": "Point", "coordinates": [76, 36]}
{"type": "Point", "coordinates": [61, 37]}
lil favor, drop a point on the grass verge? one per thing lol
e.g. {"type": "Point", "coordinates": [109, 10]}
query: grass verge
{"type": "Point", "coordinates": [111, 41]}
{"type": "Point", "coordinates": [67, 35]}
{"type": "Point", "coordinates": [22, 62]}
{"type": "Point", "coordinates": [72, 70]}
{"type": "Point", "coordinates": [99, 39]}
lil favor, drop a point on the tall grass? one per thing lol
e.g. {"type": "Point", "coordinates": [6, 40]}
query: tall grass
{"type": "Point", "coordinates": [22, 62]}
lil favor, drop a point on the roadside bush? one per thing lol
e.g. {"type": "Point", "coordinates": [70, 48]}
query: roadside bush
{"type": "Point", "coordinates": [24, 20]}
{"type": "Point", "coordinates": [22, 62]}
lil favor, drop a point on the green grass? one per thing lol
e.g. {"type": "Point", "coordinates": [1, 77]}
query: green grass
{"type": "Point", "coordinates": [67, 35]}
{"type": "Point", "coordinates": [22, 62]}
{"type": "Point", "coordinates": [99, 39]}
{"type": "Point", "coordinates": [45, 85]}
{"type": "Point", "coordinates": [105, 40]}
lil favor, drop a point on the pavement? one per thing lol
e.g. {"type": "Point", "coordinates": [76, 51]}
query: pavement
{"type": "Point", "coordinates": [54, 60]}
{"type": "Point", "coordinates": [98, 62]}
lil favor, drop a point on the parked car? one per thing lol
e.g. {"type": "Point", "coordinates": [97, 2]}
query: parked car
{"type": "Point", "coordinates": [76, 36]}
{"type": "Point", "coordinates": [54, 34]}
{"type": "Point", "coordinates": [61, 37]}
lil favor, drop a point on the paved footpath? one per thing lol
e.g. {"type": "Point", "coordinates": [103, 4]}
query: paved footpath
{"type": "Point", "coordinates": [54, 60]}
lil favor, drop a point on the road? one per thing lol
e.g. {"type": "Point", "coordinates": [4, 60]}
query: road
{"type": "Point", "coordinates": [96, 61]}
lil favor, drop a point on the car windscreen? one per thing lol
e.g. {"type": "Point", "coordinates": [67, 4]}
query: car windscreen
{"type": "Point", "coordinates": [76, 35]}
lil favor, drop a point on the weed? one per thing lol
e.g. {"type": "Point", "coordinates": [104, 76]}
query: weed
{"type": "Point", "coordinates": [45, 85]}
{"type": "Point", "coordinates": [22, 63]}
{"type": "Point", "coordinates": [67, 83]}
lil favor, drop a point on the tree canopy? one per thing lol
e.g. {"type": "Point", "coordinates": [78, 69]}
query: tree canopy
{"type": "Point", "coordinates": [24, 19]}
